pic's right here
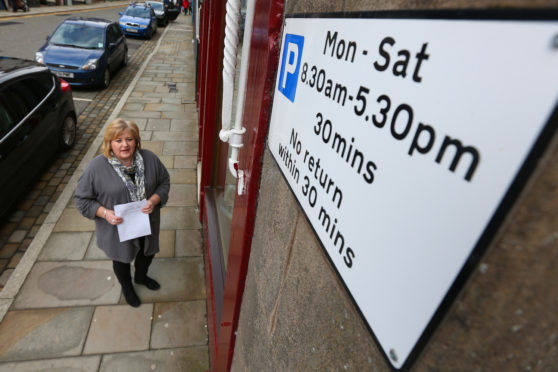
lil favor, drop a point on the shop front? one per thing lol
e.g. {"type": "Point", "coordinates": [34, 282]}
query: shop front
{"type": "Point", "coordinates": [367, 209]}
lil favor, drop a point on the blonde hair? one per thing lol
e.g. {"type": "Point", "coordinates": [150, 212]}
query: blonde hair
{"type": "Point", "coordinates": [115, 129]}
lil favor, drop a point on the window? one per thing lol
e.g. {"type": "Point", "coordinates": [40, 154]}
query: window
{"type": "Point", "coordinates": [112, 34]}
{"type": "Point", "coordinates": [20, 98]}
{"type": "Point", "coordinates": [81, 36]}
{"type": "Point", "coordinates": [117, 31]}
{"type": "Point", "coordinates": [6, 121]}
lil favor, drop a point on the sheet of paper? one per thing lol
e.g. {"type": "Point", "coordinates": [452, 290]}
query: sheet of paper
{"type": "Point", "coordinates": [135, 224]}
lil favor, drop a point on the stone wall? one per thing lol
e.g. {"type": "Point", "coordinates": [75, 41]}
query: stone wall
{"type": "Point", "coordinates": [297, 316]}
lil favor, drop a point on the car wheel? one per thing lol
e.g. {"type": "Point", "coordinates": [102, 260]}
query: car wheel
{"type": "Point", "coordinates": [68, 133]}
{"type": "Point", "coordinates": [166, 21]}
{"type": "Point", "coordinates": [106, 78]}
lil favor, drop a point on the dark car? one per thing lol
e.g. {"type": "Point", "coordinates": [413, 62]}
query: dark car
{"type": "Point", "coordinates": [160, 12]}
{"type": "Point", "coordinates": [138, 20]}
{"type": "Point", "coordinates": [37, 117]}
{"type": "Point", "coordinates": [173, 8]}
{"type": "Point", "coordinates": [85, 51]}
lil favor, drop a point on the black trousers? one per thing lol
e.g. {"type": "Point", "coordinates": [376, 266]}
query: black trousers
{"type": "Point", "coordinates": [141, 264]}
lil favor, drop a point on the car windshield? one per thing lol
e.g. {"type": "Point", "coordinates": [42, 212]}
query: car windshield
{"type": "Point", "coordinates": [79, 35]}
{"type": "Point", "coordinates": [156, 6]}
{"type": "Point", "coordinates": [137, 12]}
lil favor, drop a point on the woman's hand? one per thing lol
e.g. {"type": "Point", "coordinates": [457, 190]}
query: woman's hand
{"type": "Point", "coordinates": [113, 219]}
{"type": "Point", "coordinates": [109, 216]}
{"type": "Point", "coordinates": [148, 207]}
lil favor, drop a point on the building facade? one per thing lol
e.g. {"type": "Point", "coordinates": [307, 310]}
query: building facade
{"type": "Point", "coordinates": [279, 299]}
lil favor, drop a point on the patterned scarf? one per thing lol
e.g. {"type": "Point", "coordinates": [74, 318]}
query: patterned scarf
{"type": "Point", "coordinates": [135, 189]}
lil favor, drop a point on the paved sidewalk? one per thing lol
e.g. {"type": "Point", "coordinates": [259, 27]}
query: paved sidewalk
{"type": "Point", "coordinates": [62, 308]}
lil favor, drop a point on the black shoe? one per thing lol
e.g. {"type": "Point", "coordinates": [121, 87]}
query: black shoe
{"type": "Point", "coordinates": [149, 283]}
{"type": "Point", "coordinates": [131, 297]}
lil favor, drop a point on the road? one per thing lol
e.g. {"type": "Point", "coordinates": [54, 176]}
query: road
{"type": "Point", "coordinates": [94, 106]}
{"type": "Point", "coordinates": [30, 34]}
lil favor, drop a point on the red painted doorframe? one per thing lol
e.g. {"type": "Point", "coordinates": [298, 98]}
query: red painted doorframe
{"type": "Point", "coordinates": [211, 150]}
{"type": "Point", "coordinates": [264, 56]}
{"type": "Point", "coordinates": [210, 65]}
{"type": "Point", "coordinates": [264, 53]}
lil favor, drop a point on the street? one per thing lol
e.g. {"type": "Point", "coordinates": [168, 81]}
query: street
{"type": "Point", "coordinates": [30, 34]}
{"type": "Point", "coordinates": [93, 106]}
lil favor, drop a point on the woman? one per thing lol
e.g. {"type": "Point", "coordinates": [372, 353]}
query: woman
{"type": "Point", "coordinates": [122, 174]}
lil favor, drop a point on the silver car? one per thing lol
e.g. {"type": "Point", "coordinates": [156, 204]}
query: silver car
{"type": "Point", "coordinates": [160, 11]}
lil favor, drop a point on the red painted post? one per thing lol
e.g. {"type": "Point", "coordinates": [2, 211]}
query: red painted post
{"type": "Point", "coordinates": [264, 55]}
{"type": "Point", "coordinates": [210, 87]}
{"type": "Point", "coordinates": [211, 91]}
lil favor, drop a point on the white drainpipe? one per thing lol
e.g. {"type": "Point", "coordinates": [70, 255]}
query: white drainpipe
{"type": "Point", "coordinates": [227, 134]}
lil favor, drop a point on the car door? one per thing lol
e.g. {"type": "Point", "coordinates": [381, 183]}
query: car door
{"type": "Point", "coordinates": [28, 134]}
{"type": "Point", "coordinates": [118, 35]}
{"type": "Point", "coordinates": [10, 115]}
{"type": "Point", "coordinates": [153, 19]}
{"type": "Point", "coordinates": [114, 53]}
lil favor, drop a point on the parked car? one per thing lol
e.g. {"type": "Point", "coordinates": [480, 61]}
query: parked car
{"type": "Point", "coordinates": [138, 20]}
{"type": "Point", "coordinates": [173, 8]}
{"type": "Point", "coordinates": [160, 12]}
{"type": "Point", "coordinates": [85, 51]}
{"type": "Point", "coordinates": [37, 117]}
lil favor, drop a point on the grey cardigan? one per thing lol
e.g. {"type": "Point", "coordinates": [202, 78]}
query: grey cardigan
{"type": "Point", "coordinates": [100, 185]}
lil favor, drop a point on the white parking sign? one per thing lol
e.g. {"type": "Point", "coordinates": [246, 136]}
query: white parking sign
{"type": "Point", "coordinates": [404, 142]}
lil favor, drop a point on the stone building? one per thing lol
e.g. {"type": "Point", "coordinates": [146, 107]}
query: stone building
{"type": "Point", "coordinates": [286, 292]}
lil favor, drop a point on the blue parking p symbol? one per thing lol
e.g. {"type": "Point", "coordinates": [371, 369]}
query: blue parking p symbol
{"type": "Point", "coordinates": [290, 65]}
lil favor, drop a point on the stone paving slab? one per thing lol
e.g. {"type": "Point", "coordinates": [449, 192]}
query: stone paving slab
{"type": "Point", "coordinates": [162, 107]}
{"type": "Point", "coordinates": [172, 136]}
{"type": "Point", "coordinates": [181, 115]}
{"type": "Point", "coordinates": [158, 124]}
{"type": "Point", "coordinates": [135, 115]}
{"type": "Point", "coordinates": [43, 333]}
{"type": "Point", "coordinates": [56, 284]}
{"type": "Point", "coordinates": [154, 146]}
{"type": "Point", "coordinates": [72, 220]}
{"type": "Point", "coordinates": [182, 176]}
{"type": "Point", "coordinates": [65, 246]}
{"type": "Point", "coordinates": [188, 243]}
{"type": "Point", "coordinates": [181, 279]}
{"type": "Point", "coordinates": [175, 218]}
{"type": "Point", "coordinates": [188, 162]}
{"type": "Point", "coordinates": [180, 148]}
{"type": "Point", "coordinates": [141, 123]}
{"type": "Point", "coordinates": [168, 161]}
{"type": "Point", "coordinates": [166, 244]}
{"type": "Point", "coordinates": [146, 135]}
{"type": "Point", "coordinates": [194, 359]}
{"type": "Point", "coordinates": [94, 252]}
{"type": "Point", "coordinates": [75, 364]}
{"type": "Point", "coordinates": [177, 324]}
{"type": "Point", "coordinates": [182, 195]}
{"type": "Point", "coordinates": [119, 328]}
